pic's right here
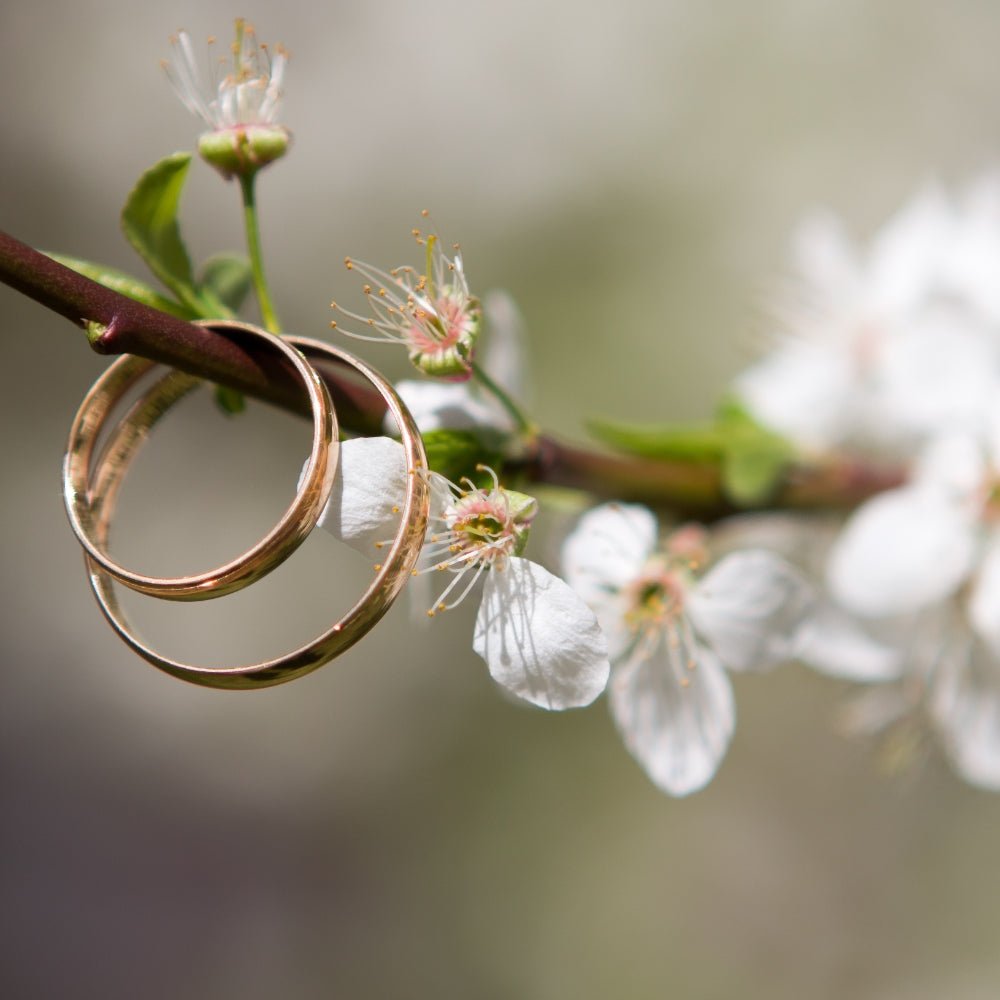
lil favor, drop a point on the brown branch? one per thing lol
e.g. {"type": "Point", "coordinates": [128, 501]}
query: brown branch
{"type": "Point", "coordinates": [127, 326]}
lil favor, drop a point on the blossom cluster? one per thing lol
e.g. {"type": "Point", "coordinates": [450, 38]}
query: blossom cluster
{"type": "Point", "coordinates": [894, 351]}
{"type": "Point", "coordinates": [889, 352]}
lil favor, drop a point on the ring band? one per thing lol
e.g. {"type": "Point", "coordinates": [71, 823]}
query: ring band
{"type": "Point", "coordinates": [84, 505]}
{"type": "Point", "coordinates": [395, 570]}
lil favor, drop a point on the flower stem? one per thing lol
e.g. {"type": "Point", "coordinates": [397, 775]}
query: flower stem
{"type": "Point", "coordinates": [267, 313]}
{"type": "Point", "coordinates": [526, 427]}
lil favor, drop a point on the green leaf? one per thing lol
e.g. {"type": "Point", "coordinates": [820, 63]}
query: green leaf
{"type": "Point", "coordinates": [149, 221]}
{"type": "Point", "coordinates": [698, 442]}
{"type": "Point", "coordinates": [752, 469]}
{"type": "Point", "coordinates": [230, 401]}
{"type": "Point", "coordinates": [752, 459]}
{"type": "Point", "coordinates": [228, 278]}
{"type": "Point", "coordinates": [125, 284]}
{"type": "Point", "coordinates": [457, 453]}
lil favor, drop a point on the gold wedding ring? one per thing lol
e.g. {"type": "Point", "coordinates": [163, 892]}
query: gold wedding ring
{"type": "Point", "coordinates": [394, 571]}
{"type": "Point", "coordinates": [86, 506]}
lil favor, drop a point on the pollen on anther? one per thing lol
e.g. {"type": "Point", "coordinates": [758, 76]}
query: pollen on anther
{"type": "Point", "coordinates": [367, 289]}
{"type": "Point", "coordinates": [424, 212]}
{"type": "Point", "coordinates": [333, 324]}
{"type": "Point", "coordinates": [348, 263]}
{"type": "Point", "coordinates": [430, 612]}
{"type": "Point", "coordinates": [685, 682]}
{"type": "Point", "coordinates": [395, 508]}
{"type": "Point", "coordinates": [378, 566]}
{"type": "Point", "coordinates": [380, 545]}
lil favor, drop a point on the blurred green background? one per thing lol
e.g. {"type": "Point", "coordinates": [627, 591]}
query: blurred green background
{"type": "Point", "coordinates": [390, 826]}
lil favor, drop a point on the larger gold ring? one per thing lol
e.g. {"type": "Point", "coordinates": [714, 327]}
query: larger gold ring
{"type": "Point", "coordinates": [395, 570]}
{"type": "Point", "coordinates": [84, 505]}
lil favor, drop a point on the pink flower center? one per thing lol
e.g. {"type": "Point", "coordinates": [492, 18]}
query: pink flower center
{"type": "Point", "coordinates": [439, 331]}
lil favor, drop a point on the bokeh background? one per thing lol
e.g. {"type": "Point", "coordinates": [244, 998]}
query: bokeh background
{"type": "Point", "coordinates": [391, 826]}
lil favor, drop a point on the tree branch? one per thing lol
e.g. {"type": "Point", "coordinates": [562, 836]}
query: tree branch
{"type": "Point", "coordinates": [120, 325]}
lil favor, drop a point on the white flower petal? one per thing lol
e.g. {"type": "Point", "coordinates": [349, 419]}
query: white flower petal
{"type": "Point", "coordinates": [678, 732]}
{"type": "Point", "coordinates": [370, 483]}
{"type": "Point", "coordinates": [966, 707]}
{"type": "Point", "coordinates": [938, 370]}
{"type": "Point", "coordinates": [607, 550]}
{"type": "Point", "coordinates": [503, 354]}
{"type": "Point", "coordinates": [749, 608]}
{"type": "Point", "coordinates": [824, 256]}
{"type": "Point", "coordinates": [900, 552]}
{"type": "Point", "coordinates": [538, 638]}
{"type": "Point", "coordinates": [830, 641]}
{"type": "Point", "coordinates": [984, 601]}
{"type": "Point", "coordinates": [906, 252]}
{"type": "Point", "coordinates": [448, 406]}
{"type": "Point", "coordinates": [952, 463]}
{"type": "Point", "coordinates": [805, 391]}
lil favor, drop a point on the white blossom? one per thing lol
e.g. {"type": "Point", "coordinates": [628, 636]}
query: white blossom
{"type": "Point", "coordinates": [239, 102]}
{"type": "Point", "coordinates": [539, 639]}
{"type": "Point", "coordinates": [431, 313]}
{"type": "Point", "coordinates": [439, 405]}
{"type": "Point", "coordinates": [880, 347]}
{"type": "Point", "coordinates": [245, 90]}
{"type": "Point", "coordinates": [931, 549]}
{"type": "Point", "coordinates": [674, 626]}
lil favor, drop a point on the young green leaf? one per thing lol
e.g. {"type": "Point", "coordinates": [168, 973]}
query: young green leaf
{"type": "Point", "coordinates": [752, 469]}
{"type": "Point", "coordinates": [230, 401]}
{"type": "Point", "coordinates": [228, 278]}
{"type": "Point", "coordinates": [457, 453]}
{"type": "Point", "coordinates": [697, 443]}
{"type": "Point", "coordinates": [125, 284]}
{"type": "Point", "coordinates": [149, 221]}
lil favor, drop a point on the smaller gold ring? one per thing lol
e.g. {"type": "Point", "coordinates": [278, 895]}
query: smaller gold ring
{"type": "Point", "coordinates": [393, 573]}
{"type": "Point", "coordinates": [84, 505]}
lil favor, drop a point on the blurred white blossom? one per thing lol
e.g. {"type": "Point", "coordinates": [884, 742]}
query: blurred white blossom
{"type": "Point", "coordinates": [879, 347]}
{"type": "Point", "coordinates": [933, 547]}
{"type": "Point", "coordinates": [673, 627]}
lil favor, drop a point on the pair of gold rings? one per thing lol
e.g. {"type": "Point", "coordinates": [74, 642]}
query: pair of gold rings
{"type": "Point", "coordinates": [92, 479]}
